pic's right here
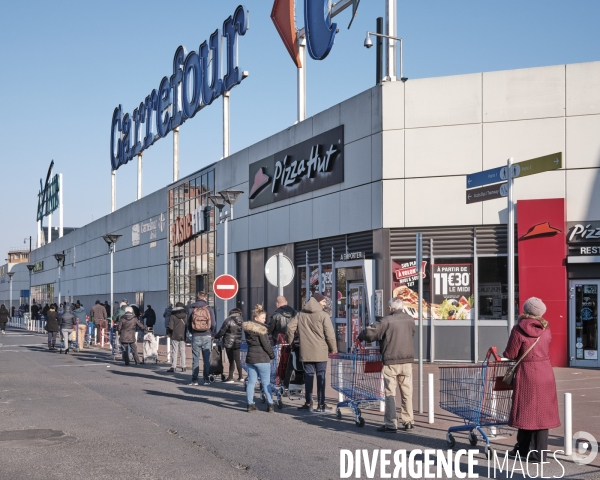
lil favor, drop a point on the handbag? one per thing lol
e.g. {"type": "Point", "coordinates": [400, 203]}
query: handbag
{"type": "Point", "coordinates": [509, 376]}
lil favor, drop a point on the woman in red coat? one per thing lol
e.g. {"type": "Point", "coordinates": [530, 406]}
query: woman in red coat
{"type": "Point", "coordinates": [535, 403]}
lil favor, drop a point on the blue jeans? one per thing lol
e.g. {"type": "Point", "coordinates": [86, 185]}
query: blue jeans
{"type": "Point", "coordinates": [90, 332]}
{"type": "Point", "coordinates": [205, 344]}
{"type": "Point", "coordinates": [262, 371]}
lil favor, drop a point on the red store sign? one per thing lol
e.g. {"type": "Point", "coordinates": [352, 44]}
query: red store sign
{"type": "Point", "coordinates": [181, 230]}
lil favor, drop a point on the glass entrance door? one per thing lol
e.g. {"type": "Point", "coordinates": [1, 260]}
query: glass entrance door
{"type": "Point", "coordinates": [356, 311]}
{"type": "Point", "coordinates": [583, 323]}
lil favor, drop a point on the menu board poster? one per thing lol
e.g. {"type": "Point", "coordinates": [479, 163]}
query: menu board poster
{"type": "Point", "coordinates": [453, 291]}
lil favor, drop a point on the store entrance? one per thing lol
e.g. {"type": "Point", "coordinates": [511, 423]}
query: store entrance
{"type": "Point", "coordinates": [583, 323]}
{"type": "Point", "coordinates": [357, 311]}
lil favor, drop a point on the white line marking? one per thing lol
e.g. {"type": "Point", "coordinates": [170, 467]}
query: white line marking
{"type": "Point", "coordinates": [82, 365]}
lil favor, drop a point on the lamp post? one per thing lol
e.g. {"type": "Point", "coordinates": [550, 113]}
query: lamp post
{"type": "Point", "coordinates": [10, 275]}
{"type": "Point", "coordinates": [369, 43]}
{"type": "Point", "coordinates": [111, 240]}
{"type": "Point", "coordinates": [30, 267]}
{"type": "Point", "coordinates": [60, 258]}
{"type": "Point", "coordinates": [225, 197]}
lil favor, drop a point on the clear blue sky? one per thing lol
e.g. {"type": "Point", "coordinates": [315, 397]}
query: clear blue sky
{"type": "Point", "coordinates": [67, 64]}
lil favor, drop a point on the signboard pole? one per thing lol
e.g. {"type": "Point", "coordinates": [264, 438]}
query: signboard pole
{"type": "Point", "coordinates": [225, 249]}
{"type": "Point", "coordinates": [431, 329]}
{"type": "Point", "coordinates": [302, 79]}
{"type": "Point", "coordinates": [39, 234]}
{"type": "Point", "coordinates": [420, 274]}
{"type": "Point", "coordinates": [139, 177]}
{"type": "Point", "coordinates": [113, 193]}
{"type": "Point", "coordinates": [176, 154]}
{"type": "Point", "coordinates": [511, 246]}
{"type": "Point", "coordinates": [476, 302]}
{"type": "Point", "coordinates": [61, 205]}
{"type": "Point", "coordinates": [226, 124]}
{"type": "Point", "coordinates": [307, 279]}
{"type": "Point", "coordinates": [390, 21]}
{"type": "Point", "coordinates": [279, 267]}
{"type": "Point", "coordinates": [49, 228]}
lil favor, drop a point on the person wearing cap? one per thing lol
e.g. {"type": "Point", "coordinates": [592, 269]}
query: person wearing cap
{"type": "Point", "coordinates": [535, 404]}
{"type": "Point", "coordinates": [127, 329]}
{"type": "Point", "coordinates": [317, 339]}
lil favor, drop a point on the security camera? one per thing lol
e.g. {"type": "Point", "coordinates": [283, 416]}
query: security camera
{"type": "Point", "coordinates": [368, 42]}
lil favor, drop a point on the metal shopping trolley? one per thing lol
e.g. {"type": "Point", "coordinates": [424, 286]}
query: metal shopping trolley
{"type": "Point", "coordinates": [358, 377]}
{"type": "Point", "coordinates": [477, 394]}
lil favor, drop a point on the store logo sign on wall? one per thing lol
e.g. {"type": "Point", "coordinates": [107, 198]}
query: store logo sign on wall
{"type": "Point", "coordinates": [311, 165]}
{"type": "Point", "coordinates": [583, 232]}
{"type": "Point", "coordinates": [188, 226]}
{"type": "Point", "coordinates": [541, 230]}
{"type": "Point", "coordinates": [38, 266]}
{"type": "Point", "coordinates": [196, 82]}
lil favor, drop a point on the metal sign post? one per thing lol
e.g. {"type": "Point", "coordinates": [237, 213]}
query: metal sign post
{"type": "Point", "coordinates": [420, 273]}
{"type": "Point", "coordinates": [279, 272]}
{"type": "Point", "coordinates": [511, 245]}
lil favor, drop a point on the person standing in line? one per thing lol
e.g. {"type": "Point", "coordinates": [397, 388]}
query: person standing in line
{"type": "Point", "coordinates": [534, 408]}
{"type": "Point", "coordinates": [231, 332]}
{"type": "Point", "coordinates": [35, 311]}
{"type": "Point", "coordinates": [258, 359]}
{"type": "Point", "coordinates": [67, 323]}
{"type": "Point", "coordinates": [3, 318]}
{"type": "Point", "coordinates": [52, 327]}
{"type": "Point", "coordinates": [107, 308]}
{"type": "Point", "coordinates": [81, 319]}
{"type": "Point", "coordinates": [150, 317]}
{"type": "Point", "coordinates": [13, 311]}
{"type": "Point", "coordinates": [177, 330]}
{"type": "Point", "coordinates": [395, 336]}
{"type": "Point", "coordinates": [99, 318]}
{"type": "Point", "coordinates": [280, 318]}
{"type": "Point", "coordinates": [127, 330]}
{"type": "Point", "coordinates": [317, 339]}
{"type": "Point", "coordinates": [167, 314]}
{"type": "Point", "coordinates": [45, 310]}
{"type": "Point", "coordinates": [202, 325]}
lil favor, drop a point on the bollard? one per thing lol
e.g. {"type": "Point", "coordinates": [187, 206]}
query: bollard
{"type": "Point", "coordinates": [568, 426]}
{"type": "Point", "coordinates": [102, 339]}
{"type": "Point", "coordinates": [430, 410]}
{"type": "Point", "coordinates": [168, 349]}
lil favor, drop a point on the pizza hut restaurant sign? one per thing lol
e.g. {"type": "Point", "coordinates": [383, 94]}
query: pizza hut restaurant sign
{"type": "Point", "coordinates": [310, 165]}
{"type": "Point", "coordinates": [583, 239]}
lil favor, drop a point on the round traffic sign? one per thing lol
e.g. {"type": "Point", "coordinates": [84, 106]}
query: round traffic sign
{"type": "Point", "coordinates": [286, 270]}
{"type": "Point", "coordinates": [225, 287]}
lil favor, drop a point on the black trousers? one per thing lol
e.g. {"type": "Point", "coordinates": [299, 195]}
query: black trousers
{"type": "Point", "coordinates": [310, 368]}
{"type": "Point", "coordinates": [233, 355]}
{"type": "Point", "coordinates": [532, 441]}
{"type": "Point", "coordinates": [52, 339]}
{"type": "Point", "coordinates": [133, 347]}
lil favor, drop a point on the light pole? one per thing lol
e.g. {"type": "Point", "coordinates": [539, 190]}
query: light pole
{"type": "Point", "coordinates": [368, 44]}
{"type": "Point", "coordinates": [111, 240]}
{"type": "Point", "coordinates": [10, 275]}
{"type": "Point", "coordinates": [224, 197]}
{"type": "Point", "coordinates": [30, 267]}
{"type": "Point", "coordinates": [60, 258]}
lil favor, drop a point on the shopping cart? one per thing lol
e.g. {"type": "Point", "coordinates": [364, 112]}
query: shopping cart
{"type": "Point", "coordinates": [477, 394]}
{"type": "Point", "coordinates": [358, 377]}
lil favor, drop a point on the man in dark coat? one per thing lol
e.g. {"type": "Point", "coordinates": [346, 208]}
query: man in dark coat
{"type": "Point", "coordinates": [280, 319]}
{"type": "Point", "coordinates": [127, 328]}
{"type": "Point", "coordinates": [201, 339]}
{"type": "Point", "coordinates": [177, 330]}
{"type": "Point", "coordinates": [150, 317]}
{"type": "Point", "coordinates": [395, 336]}
{"type": "Point", "coordinates": [3, 318]}
{"type": "Point", "coordinates": [35, 312]}
{"type": "Point", "coordinates": [107, 308]}
{"type": "Point", "coordinates": [52, 327]}
{"type": "Point", "coordinates": [45, 310]}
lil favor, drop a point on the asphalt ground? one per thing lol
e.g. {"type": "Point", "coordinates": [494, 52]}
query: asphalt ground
{"type": "Point", "coordinates": [84, 415]}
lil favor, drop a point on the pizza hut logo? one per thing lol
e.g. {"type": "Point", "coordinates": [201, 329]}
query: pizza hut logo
{"type": "Point", "coordinates": [261, 180]}
{"type": "Point", "coordinates": [541, 230]}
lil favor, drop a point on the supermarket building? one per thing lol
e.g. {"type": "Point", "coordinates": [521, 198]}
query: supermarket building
{"type": "Point", "coordinates": [343, 194]}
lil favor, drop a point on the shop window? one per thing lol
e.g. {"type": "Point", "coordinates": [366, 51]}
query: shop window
{"type": "Point", "coordinates": [341, 293]}
{"type": "Point", "coordinates": [493, 288]}
{"type": "Point", "coordinates": [315, 283]}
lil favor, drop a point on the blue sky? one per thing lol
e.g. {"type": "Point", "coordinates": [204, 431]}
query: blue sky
{"type": "Point", "coordinates": [67, 64]}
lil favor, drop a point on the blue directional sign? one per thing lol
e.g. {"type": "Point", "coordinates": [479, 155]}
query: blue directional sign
{"type": "Point", "coordinates": [479, 179]}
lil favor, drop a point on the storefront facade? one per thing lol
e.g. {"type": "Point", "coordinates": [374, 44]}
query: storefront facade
{"type": "Point", "coordinates": [343, 194]}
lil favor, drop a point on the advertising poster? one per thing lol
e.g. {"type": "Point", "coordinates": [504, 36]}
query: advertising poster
{"type": "Point", "coordinates": [452, 292]}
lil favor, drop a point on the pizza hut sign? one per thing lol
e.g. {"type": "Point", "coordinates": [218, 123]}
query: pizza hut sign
{"type": "Point", "coordinates": [406, 273]}
{"type": "Point", "coordinates": [310, 165]}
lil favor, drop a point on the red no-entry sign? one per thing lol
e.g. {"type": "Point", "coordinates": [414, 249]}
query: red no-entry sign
{"type": "Point", "coordinates": [225, 287]}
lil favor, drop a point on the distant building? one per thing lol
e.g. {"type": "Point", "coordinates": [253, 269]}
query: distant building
{"type": "Point", "coordinates": [16, 255]}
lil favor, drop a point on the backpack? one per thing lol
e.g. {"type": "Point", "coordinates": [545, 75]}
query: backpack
{"type": "Point", "coordinates": [201, 320]}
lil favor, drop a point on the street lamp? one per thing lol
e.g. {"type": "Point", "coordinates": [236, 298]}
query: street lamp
{"type": "Point", "coordinates": [225, 197]}
{"type": "Point", "coordinates": [60, 258]}
{"type": "Point", "coordinates": [111, 240]}
{"type": "Point", "coordinates": [368, 44]}
{"type": "Point", "coordinates": [30, 267]}
{"type": "Point", "coordinates": [10, 275]}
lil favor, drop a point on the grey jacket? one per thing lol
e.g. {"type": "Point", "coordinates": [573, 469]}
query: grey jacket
{"type": "Point", "coordinates": [80, 315]}
{"type": "Point", "coordinates": [67, 319]}
{"type": "Point", "coordinates": [315, 330]}
{"type": "Point", "coordinates": [395, 336]}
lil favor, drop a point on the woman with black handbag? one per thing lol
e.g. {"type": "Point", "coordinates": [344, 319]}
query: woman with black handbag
{"type": "Point", "coordinates": [535, 404]}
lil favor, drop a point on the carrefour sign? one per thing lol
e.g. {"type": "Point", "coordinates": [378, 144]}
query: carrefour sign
{"type": "Point", "coordinates": [195, 83]}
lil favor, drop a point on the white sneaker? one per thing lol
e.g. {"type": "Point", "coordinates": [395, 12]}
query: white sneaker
{"type": "Point", "coordinates": [206, 383]}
